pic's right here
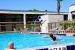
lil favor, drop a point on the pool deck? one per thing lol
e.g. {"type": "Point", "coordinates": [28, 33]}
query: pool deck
{"type": "Point", "coordinates": [49, 47]}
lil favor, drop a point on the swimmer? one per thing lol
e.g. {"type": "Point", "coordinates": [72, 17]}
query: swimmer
{"type": "Point", "coordinates": [54, 38]}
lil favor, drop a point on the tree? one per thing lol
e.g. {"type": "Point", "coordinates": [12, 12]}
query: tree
{"type": "Point", "coordinates": [58, 6]}
{"type": "Point", "coordinates": [34, 10]}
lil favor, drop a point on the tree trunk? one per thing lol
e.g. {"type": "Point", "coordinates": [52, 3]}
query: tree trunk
{"type": "Point", "coordinates": [58, 6]}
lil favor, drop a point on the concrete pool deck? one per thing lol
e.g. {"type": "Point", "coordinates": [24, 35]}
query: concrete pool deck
{"type": "Point", "coordinates": [51, 47]}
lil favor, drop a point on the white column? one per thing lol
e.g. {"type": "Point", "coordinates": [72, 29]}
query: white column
{"type": "Point", "coordinates": [70, 16]}
{"type": "Point", "coordinates": [44, 26]}
{"type": "Point", "coordinates": [24, 20]}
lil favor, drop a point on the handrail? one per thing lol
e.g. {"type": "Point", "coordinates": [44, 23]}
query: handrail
{"type": "Point", "coordinates": [10, 22]}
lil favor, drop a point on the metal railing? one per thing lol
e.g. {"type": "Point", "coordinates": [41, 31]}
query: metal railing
{"type": "Point", "coordinates": [18, 27]}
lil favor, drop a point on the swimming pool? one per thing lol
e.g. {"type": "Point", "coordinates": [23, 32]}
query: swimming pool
{"type": "Point", "coordinates": [28, 40]}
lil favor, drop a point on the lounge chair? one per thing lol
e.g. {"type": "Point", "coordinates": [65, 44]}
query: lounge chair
{"type": "Point", "coordinates": [57, 30]}
{"type": "Point", "coordinates": [53, 30]}
{"type": "Point", "coordinates": [68, 30]}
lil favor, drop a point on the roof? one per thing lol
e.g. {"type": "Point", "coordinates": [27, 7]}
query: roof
{"type": "Point", "coordinates": [29, 11]}
{"type": "Point", "coordinates": [73, 4]}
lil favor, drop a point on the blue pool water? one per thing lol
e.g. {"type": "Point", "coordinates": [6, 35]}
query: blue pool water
{"type": "Point", "coordinates": [27, 40]}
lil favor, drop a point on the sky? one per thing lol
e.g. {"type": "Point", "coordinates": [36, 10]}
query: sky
{"type": "Point", "coordinates": [50, 5]}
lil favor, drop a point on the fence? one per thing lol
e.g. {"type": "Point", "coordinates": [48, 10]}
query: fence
{"type": "Point", "coordinates": [19, 27]}
{"type": "Point", "coordinates": [62, 27]}
{"type": "Point", "coordinates": [35, 26]}
{"type": "Point", "coordinates": [9, 26]}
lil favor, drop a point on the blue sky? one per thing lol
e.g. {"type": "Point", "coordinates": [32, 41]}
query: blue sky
{"type": "Point", "coordinates": [49, 5]}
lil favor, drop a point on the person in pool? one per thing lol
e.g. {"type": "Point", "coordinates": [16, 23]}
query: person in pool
{"type": "Point", "coordinates": [54, 38]}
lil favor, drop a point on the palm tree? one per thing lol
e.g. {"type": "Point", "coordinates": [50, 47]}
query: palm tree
{"type": "Point", "coordinates": [58, 6]}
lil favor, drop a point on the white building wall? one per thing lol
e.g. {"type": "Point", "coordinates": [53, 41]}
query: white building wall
{"type": "Point", "coordinates": [44, 26]}
{"type": "Point", "coordinates": [71, 8]}
{"type": "Point", "coordinates": [50, 19]}
{"type": "Point", "coordinates": [55, 18]}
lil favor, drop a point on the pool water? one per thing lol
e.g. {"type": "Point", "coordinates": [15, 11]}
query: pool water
{"type": "Point", "coordinates": [27, 40]}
